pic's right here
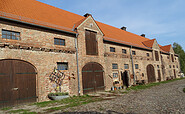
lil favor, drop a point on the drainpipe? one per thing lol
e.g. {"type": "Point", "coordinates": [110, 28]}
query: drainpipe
{"type": "Point", "coordinates": [132, 64]}
{"type": "Point", "coordinates": [78, 75]}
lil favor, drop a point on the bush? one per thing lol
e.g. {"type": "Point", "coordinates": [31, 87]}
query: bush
{"type": "Point", "coordinates": [184, 90]}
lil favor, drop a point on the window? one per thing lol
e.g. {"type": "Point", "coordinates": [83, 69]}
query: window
{"type": "Point", "coordinates": [136, 66]}
{"type": "Point", "coordinates": [115, 75]}
{"type": "Point", "coordinates": [168, 57]}
{"type": "Point", "coordinates": [126, 66]}
{"type": "Point", "coordinates": [157, 66]}
{"type": "Point", "coordinates": [124, 51]}
{"type": "Point", "coordinates": [112, 49]}
{"type": "Point", "coordinates": [147, 54]}
{"type": "Point", "coordinates": [62, 66]}
{"type": "Point", "coordinates": [58, 41]}
{"type": "Point", "coordinates": [177, 66]}
{"type": "Point", "coordinates": [10, 35]}
{"type": "Point", "coordinates": [172, 58]}
{"type": "Point", "coordinates": [114, 66]}
{"type": "Point", "coordinates": [169, 66]}
{"type": "Point", "coordinates": [91, 43]}
{"type": "Point", "coordinates": [173, 66]}
{"type": "Point", "coordinates": [133, 52]}
{"type": "Point", "coordinates": [156, 56]}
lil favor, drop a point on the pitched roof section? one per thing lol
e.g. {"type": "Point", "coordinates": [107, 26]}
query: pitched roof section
{"type": "Point", "coordinates": [41, 12]}
{"type": "Point", "coordinates": [149, 43]}
{"type": "Point", "coordinates": [166, 48]}
{"type": "Point", "coordinates": [121, 35]}
{"type": "Point", "coordinates": [33, 11]}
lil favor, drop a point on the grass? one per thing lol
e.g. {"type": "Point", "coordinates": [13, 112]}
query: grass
{"type": "Point", "coordinates": [73, 102]}
{"type": "Point", "coordinates": [68, 102]}
{"type": "Point", "coordinates": [6, 108]}
{"type": "Point", "coordinates": [22, 111]}
{"type": "Point", "coordinates": [184, 90]}
{"type": "Point", "coordinates": [139, 87]}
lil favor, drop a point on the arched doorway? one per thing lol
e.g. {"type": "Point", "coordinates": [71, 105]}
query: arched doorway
{"type": "Point", "coordinates": [150, 73]}
{"type": "Point", "coordinates": [17, 82]}
{"type": "Point", "coordinates": [92, 78]}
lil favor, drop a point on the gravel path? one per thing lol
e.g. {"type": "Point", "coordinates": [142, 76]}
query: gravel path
{"type": "Point", "coordinates": [165, 98]}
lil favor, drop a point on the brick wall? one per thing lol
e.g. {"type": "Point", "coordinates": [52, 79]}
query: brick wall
{"type": "Point", "coordinates": [36, 46]}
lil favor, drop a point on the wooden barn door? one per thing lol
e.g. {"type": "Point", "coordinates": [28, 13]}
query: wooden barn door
{"type": "Point", "coordinates": [92, 78]}
{"type": "Point", "coordinates": [150, 73]}
{"type": "Point", "coordinates": [6, 80]}
{"type": "Point", "coordinates": [17, 82]}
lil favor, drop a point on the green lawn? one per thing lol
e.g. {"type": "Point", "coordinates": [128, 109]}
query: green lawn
{"type": "Point", "coordinates": [145, 86]}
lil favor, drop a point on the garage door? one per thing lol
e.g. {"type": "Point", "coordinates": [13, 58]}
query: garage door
{"type": "Point", "coordinates": [17, 82]}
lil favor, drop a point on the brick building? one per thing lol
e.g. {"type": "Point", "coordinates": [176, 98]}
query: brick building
{"type": "Point", "coordinates": [90, 56]}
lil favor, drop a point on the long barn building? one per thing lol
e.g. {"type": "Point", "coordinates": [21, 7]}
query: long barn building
{"type": "Point", "coordinates": [45, 49]}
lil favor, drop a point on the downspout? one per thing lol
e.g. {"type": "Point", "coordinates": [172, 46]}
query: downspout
{"type": "Point", "coordinates": [78, 75]}
{"type": "Point", "coordinates": [132, 64]}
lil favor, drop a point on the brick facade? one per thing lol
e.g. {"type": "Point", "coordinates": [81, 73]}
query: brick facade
{"type": "Point", "coordinates": [36, 46]}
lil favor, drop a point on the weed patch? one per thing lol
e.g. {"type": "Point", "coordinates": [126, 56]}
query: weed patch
{"type": "Point", "coordinates": [73, 102]}
{"type": "Point", "coordinates": [6, 108]}
{"type": "Point", "coordinates": [139, 87]}
{"type": "Point", "coordinates": [23, 111]}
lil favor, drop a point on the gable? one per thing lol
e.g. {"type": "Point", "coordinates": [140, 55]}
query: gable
{"type": "Point", "coordinates": [88, 23]}
{"type": "Point", "coordinates": [155, 45]}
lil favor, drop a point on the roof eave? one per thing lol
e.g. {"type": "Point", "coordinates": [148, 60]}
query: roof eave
{"type": "Point", "coordinates": [64, 31]}
{"type": "Point", "coordinates": [128, 45]}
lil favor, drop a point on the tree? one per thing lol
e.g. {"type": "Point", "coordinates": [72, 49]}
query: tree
{"type": "Point", "coordinates": [178, 50]}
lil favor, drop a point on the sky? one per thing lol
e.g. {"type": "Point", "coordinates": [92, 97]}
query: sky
{"type": "Point", "coordinates": [163, 20]}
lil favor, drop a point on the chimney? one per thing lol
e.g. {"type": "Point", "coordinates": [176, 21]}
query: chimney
{"type": "Point", "coordinates": [143, 35]}
{"type": "Point", "coordinates": [124, 28]}
{"type": "Point", "coordinates": [87, 14]}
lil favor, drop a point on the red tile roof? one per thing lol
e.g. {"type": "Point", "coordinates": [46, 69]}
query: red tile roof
{"type": "Point", "coordinates": [166, 48]}
{"type": "Point", "coordinates": [149, 43]}
{"type": "Point", "coordinates": [42, 14]}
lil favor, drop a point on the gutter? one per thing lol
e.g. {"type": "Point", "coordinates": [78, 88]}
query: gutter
{"type": "Point", "coordinates": [38, 25]}
{"type": "Point", "coordinates": [132, 65]}
{"type": "Point", "coordinates": [78, 75]}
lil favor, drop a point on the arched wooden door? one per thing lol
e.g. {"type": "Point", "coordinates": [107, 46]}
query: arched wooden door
{"type": "Point", "coordinates": [17, 82]}
{"type": "Point", "coordinates": [92, 78]}
{"type": "Point", "coordinates": [150, 73]}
